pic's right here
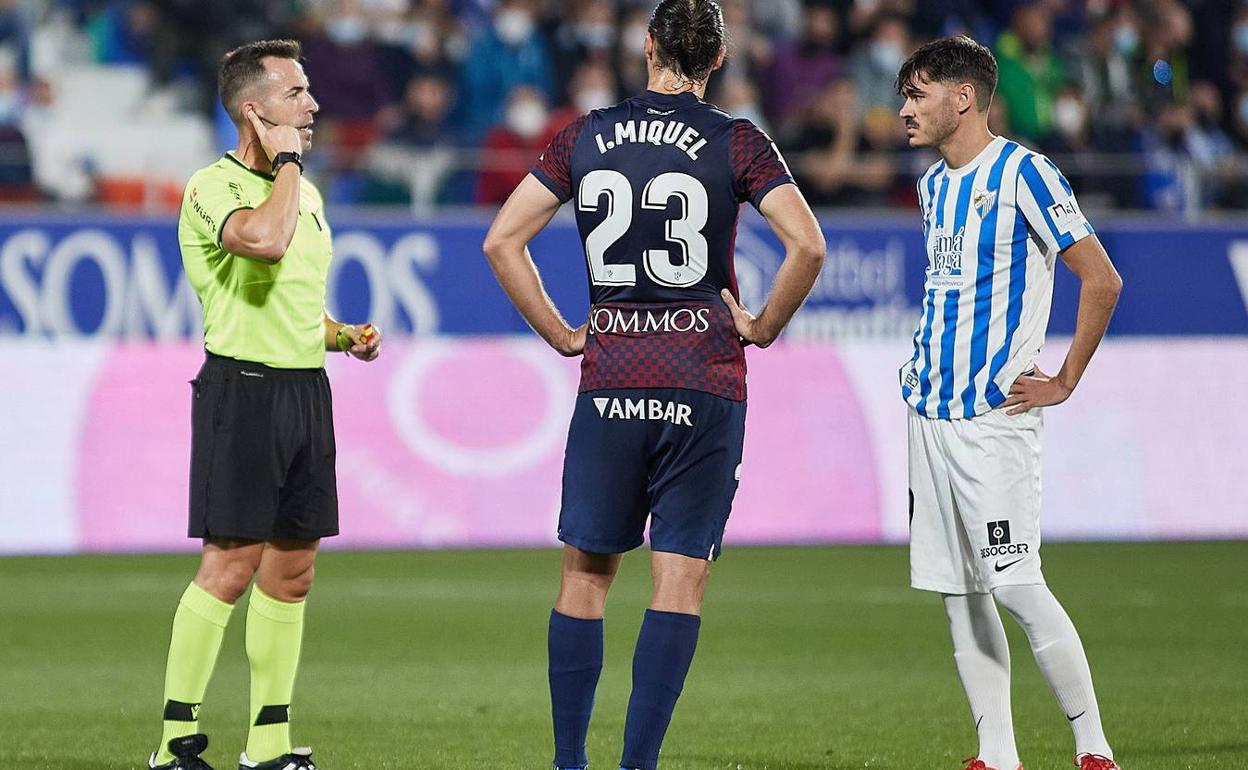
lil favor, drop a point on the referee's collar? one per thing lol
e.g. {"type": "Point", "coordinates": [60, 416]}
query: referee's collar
{"type": "Point", "coordinates": [229, 155]}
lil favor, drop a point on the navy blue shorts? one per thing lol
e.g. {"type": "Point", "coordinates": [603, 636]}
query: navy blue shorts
{"type": "Point", "coordinates": [669, 454]}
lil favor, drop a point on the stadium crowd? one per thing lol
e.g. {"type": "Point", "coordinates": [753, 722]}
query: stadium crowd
{"type": "Point", "coordinates": [448, 102]}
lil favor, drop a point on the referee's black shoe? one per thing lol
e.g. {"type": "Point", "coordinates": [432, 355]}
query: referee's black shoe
{"type": "Point", "coordinates": [297, 759]}
{"type": "Point", "coordinates": [185, 751]}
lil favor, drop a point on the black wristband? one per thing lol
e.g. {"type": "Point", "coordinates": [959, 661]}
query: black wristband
{"type": "Point", "coordinates": [287, 157]}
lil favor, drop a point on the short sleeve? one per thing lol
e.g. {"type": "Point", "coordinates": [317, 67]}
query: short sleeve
{"type": "Point", "coordinates": [210, 203]}
{"type": "Point", "coordinates": [1048, 203]}
{"type": "Point", "coordinates": [554, 168]}
{"type": "Point", "coordinates": [757, 166]}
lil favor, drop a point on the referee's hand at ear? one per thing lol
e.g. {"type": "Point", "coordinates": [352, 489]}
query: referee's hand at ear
{"type": "Point", "coordinates": [274, 139]}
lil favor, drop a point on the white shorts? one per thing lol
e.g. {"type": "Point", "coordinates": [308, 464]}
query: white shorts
{"type": "Point", "coordinates": [975, 502]}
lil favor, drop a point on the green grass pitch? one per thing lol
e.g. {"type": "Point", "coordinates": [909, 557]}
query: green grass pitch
{"type": "Point", "coordinates": [809, 658]}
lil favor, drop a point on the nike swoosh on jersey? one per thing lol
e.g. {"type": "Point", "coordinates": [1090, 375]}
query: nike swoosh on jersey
{"type": "Point", "coordinates": [999, 567]}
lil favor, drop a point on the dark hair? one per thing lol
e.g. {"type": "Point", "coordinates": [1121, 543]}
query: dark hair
{"type": "Point", "coordinates": [688, 36]}
{"type": "Point", "coordinates": [956, 59]}
{"type": "Point", "coordinates": [244, 65]}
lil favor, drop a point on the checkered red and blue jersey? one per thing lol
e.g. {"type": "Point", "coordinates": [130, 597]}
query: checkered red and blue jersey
{"type": "Point", "coordinates": [658, 181]}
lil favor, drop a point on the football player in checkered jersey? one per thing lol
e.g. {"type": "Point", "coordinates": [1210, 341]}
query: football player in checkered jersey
{"type": "Point", "coordinates": [656, 182]}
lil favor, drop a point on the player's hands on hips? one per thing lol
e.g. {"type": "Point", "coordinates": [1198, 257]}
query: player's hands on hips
{"type": "Point", "coordinates": [574, 343]}
{"type": "Point", "coordinates": [275, 139]}
{"type": "Point", "coordinates": [1034, 390]}
{"type": "Point", "coordinates": [365, 341]}
{"type": "Point", "coordinates": [745, 322]}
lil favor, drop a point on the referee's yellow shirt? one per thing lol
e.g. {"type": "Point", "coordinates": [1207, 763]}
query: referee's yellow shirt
{"type": "Point", "coordinates": [255, 311]}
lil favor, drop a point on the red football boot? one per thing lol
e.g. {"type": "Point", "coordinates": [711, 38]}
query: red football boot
{"type": "Point", "coordinates": [1095, 762]}
{"type": "Point", "coordinates": [975, 763]}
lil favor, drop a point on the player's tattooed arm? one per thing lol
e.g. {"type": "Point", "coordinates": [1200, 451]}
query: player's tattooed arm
{"type": "Point", "coordinates": [1099, 287]}
{"type": "Point", "coordinates": [521, 218]}
{"type": "Point", "coordinates": [793, 222]}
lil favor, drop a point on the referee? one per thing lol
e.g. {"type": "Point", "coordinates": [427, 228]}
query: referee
{"type": "Point", "coordinates": [256, 248]}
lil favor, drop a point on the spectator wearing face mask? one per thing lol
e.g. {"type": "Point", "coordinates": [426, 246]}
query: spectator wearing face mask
{"type": "Point", "coordinates": [1072, 143]}
{"type": "Point", "coordinates": [875, 64]}
{"type": "Point", "coordinates": [511, 149]}
{"type": "Point", "coordinates": [508, 53]}
{"type": "Point", "coordinates": [1110, 72]}
{"type": "Point", "coordinates": [590, 88]}
{"type": "Point", "coordinates": [418, 44]}
{"type": "Point", "coordinates": [1070, 124]}
{"type": "Point", "coordinates": [630, 55]}
{"type": "Point", "coordinates": [588, 35]}
{"type": "Point", "coordinates": [343, 62]}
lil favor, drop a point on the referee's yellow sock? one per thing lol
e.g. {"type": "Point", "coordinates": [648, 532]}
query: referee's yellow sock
{"type": "Point", "coordinates": [198, 627]}
{"type": "Point", "coordinates": [274, 638]}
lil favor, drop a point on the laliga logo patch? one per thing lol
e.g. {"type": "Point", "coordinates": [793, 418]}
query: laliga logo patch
{"type": "Point", "coordinates": [1065, 214]}
{"type": "Point", "coordinates": [998, 532]}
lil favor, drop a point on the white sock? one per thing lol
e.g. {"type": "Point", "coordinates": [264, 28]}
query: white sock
{"type": "Point", "coordinates": [1059, 653]}
{"type": "Point", "coordinates": [982, 655]}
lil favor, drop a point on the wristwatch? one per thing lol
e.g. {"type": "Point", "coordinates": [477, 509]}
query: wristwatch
{"type": "Point", "coordinates": [287, 157]}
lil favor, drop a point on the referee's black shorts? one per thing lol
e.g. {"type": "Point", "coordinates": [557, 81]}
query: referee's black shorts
{"type": "Point", "coordinates": [262, 452]}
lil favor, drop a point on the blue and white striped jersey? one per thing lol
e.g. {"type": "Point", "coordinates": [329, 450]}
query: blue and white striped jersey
{"type": "Point", "coordinates": [993, 230]}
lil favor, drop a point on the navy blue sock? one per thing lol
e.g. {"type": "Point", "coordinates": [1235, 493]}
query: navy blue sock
{"type": "Point", "coordinates": [575, 649]}
{"type": "Point", "coordinates": [664, 651]}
